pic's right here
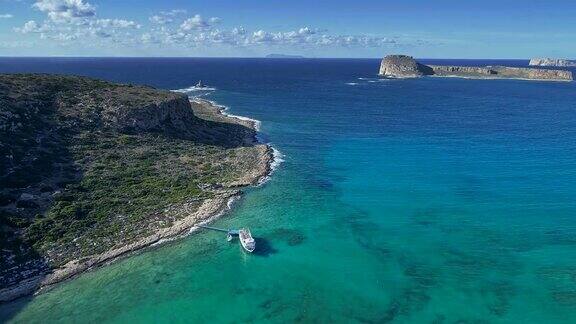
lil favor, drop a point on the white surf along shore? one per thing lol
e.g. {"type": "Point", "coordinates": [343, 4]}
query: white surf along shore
{"type": "Point", "coordinates": [278, 157]}
{"type": "Point", "coordinates": [209, 210]}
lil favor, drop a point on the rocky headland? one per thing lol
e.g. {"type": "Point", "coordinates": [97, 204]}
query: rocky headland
{"type": "Point", "coordinates": [403, 66]}
{"type": "Point", "coordinates": [91, 171]}
{"type": "Point", "coordinates": [552, 62]}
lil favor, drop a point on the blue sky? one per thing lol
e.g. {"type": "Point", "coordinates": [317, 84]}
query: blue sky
{"type": "Point", "coordinates": [252, 28]}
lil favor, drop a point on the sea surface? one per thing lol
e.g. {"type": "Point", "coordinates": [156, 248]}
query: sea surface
{"type": "Point", "coordinates": [432, 200]}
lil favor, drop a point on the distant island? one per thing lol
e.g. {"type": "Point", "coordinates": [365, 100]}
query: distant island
{"type": "Point", "coordinates": [91, 170]}
{"type": "Point", "coordinates": [552, 62]}
{"type": "Point", "coordinates": [403, 66]}
{"type": "Point", "coordinates": [285, 56]}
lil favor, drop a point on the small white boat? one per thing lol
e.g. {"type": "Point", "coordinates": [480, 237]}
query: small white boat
{"type": "Point", "coordinates": [247, 240]}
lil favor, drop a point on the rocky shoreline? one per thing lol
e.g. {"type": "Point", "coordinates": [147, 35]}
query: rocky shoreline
{"type": "Point", "coordinates": [209, 210]}
{"type": "Point", "coordinates": [403, 66]}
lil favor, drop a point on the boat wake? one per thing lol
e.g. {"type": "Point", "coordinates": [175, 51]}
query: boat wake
{"type": "Point", "coordinates": [194, 89]}
{"type": "Point", "coordinates": [374, 80]}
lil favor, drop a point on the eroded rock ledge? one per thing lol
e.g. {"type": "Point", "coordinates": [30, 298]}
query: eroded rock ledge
{"type": "Point", "coordinates": [403, 66]}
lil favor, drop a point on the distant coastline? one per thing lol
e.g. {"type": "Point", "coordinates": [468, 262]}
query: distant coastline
{"type": "Point", "coordinates": [284, 56]}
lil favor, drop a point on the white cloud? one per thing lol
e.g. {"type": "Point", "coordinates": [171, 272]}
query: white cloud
{"type": "Point", "coordinates": [161, 20]}
{"type": "Point", "coordinates": [108, 28]}
{"type": "Point", "coordinates": [116, 23]}
{"type": "Point", "coordinates": [29, 27]}
{"type": "Point", "coordinates": [63, 37]}
{"type": "Point", "coordinates": [307, 36]}
{"type": "Point", "coordinates": [148, 38]}
{"type": "Point", "coordinates": [197, 22]}
{"type": "Point", "coordinates": [166, 17]}
{"type": "Point", "coordinates": [65, 10]}
{"type": "Point", "coordinates": [6, 16]}
{"type": "Point", "coordinates": [262, 37]}
{"type": "Point", "coordinates": [306, 31]}
{"type": "Point", "coordinates": [197, 33]}
{"type": "Point", "coordinates": [174, 12]}
{"type": "Point", "coordinates": [102, 33]}
{"type": "Point", "coordinates": [75, 21]}
{"type": "Point", "coordinates": [239, 31]}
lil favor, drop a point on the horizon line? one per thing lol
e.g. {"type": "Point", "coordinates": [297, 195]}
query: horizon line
{"type": "Point", "coordinates": [253, 57]}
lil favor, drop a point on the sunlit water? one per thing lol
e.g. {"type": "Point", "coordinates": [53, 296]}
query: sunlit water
{"type": "Point", "coordinates": [410, 201]}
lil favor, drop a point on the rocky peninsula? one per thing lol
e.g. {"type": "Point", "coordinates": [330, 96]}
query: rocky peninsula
{"type": "Point", "coordinates": [403, 66]}
{"type": "Point", "coordinates": [91, 171]}
{"type": "Point", "coordinates": [552, 62]}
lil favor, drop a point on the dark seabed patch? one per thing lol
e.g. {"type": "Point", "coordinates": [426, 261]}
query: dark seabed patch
{"type": "Point", "coordinates": [292, 237]}
{"type": "Point", "coordinates": [422, 274]}
{"type": "Point", "coordinates": [472, 189]}
{"type": "Point", "coordinates": [367, 233]}
{"type": "Point", "coordinates": [560, 282]}
{"type": "Point", "coordinates": [408, 302]}
{"type": "Point", "coordinates": [272, 308]}
{"type": "Point", "coordinates": [415, 296]}
{"type": "Point", "coordinates": [560, 237]}
{"type": "Point", "coordinates": [566, 298]}
{"type": "Point", "coordinates": [498, 296]}
{"type": "Point", "coordinates": [474, 265]}
{"type": "Point", "coordinates": [320, 183]}
{"type": "Point", "coordinates": [427, 217]}
{"type": "Point", "coordinates": [264, 247]}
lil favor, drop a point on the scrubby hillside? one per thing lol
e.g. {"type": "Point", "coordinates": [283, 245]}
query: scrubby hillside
{"type": "Point", "coordinates": [87, 166]}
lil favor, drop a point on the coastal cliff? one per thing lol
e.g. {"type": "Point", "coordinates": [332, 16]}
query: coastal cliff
{"type": "Point", "coordinates": [92, 170]}
{"type": "Point", "coordinates": [552, 62]}
{"type": "Point", "coordinates": [402, 66]}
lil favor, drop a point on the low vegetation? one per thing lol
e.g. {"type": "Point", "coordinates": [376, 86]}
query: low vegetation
{"type": "Point", "coordinates": [87, 165]}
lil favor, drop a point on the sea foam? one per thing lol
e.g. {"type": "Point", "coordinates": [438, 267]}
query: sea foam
{"type": "Point", "coordinates": [194, 89]}
{"type": "Point", "coordinates": [278, 159]}
{"type": "Point", "coordinates": [277, 156]}
{"type": "Point", "coordinates": [223, 110]}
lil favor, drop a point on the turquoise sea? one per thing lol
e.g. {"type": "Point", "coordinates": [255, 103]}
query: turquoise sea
{"type": "Point", "coordinates": [433, 200]}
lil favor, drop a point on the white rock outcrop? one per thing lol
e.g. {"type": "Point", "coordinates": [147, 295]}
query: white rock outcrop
{"type": "Point", "coordinates": [552, 62]}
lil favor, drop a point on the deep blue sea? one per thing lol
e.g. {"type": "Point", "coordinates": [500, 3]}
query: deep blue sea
{"type": "Point", "coordinates": [432, 200]}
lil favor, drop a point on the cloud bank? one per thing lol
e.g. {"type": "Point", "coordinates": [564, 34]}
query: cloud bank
{"type": "Point", "coordinates": [64, 10]}
{"type": "Point", "coordinates": [77, 22]}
